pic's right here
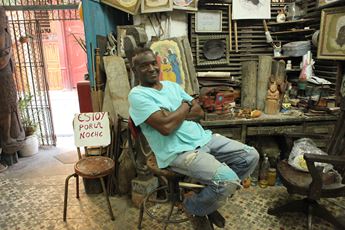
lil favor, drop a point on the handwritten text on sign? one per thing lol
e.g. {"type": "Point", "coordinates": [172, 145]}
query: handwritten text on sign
{"type": "Point", "coordinates": [91, 129]}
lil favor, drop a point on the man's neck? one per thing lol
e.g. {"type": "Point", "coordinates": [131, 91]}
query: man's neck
{"type": "Point", "coordinates": [158, 85]}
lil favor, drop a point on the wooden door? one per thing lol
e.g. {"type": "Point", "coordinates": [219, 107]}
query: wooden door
{"type": "Point", "coordinates": [76, 56]}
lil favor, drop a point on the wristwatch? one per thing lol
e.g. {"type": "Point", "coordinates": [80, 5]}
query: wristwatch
{"type": "Point", "coordinates": [188, 103]}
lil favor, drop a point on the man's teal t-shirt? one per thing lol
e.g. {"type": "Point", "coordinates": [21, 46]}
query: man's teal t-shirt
{"type": "Point", "coordinates": [144, 101]}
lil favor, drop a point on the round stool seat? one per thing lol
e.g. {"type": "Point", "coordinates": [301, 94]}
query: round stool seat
{"type": "Point", "coordinates": [152, 165]}
{"type": "Point", "coordinates": [94, 167]}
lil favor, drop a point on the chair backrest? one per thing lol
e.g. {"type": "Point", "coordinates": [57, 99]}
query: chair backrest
{"type": "Point", "coordinates": [336, 145]}
{"type": "Point", "coordinates": [92, 130]}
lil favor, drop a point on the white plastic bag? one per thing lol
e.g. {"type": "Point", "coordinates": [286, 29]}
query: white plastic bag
{"type": "Point", "coordinates": [302, 146]}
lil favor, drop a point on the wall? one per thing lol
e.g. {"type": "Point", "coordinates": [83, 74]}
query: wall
{"type": "Point", "coordinates": [99, 19]}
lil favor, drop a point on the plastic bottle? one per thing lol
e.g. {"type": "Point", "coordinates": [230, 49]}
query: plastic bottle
{"type": "Point", "coordinates": [255, 175]}
{"type": "Point", "coordinates": [271, 176]}
{"type": "Point", "coordinates": [265, 165]}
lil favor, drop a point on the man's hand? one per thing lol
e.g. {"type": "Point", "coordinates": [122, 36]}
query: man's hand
{"type": "Point", "coordinates": [196, 113]}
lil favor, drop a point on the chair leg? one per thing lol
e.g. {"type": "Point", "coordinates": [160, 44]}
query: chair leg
{"type": "Point", "coordinates": [77, 185]}
{"type": "Point", "coordinates": [310, 217]}
{"type": "Point", "coordinates": [169, 215]}
{"type": "Point", "coordinates": [66, 197]}
{"type": "Point", "coordinates": [323, 213]}
{"type": "Point", "coordinates": [107, 198]}
{"type": "Point", "coordinates": [294, 206]}
{"type": "Point", "coordinates": [141, 215]}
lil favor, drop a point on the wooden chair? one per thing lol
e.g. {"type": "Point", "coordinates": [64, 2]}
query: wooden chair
{"type": "Point", "coordinates": [92, 167]}
{"type": "Point", "coordinates": [312, 185]}
{"type": "Point", "coordinates": [172, 188]}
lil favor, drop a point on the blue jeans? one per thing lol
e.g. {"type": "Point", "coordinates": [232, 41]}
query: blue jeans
{"type": "Point", "coordinates": [203, 164]}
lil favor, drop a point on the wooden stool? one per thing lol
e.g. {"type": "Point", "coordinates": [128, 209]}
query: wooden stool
{"type": "Point", "coordinates": [92, 167]}
{"type": "Point", "coordinates": [172, 191]}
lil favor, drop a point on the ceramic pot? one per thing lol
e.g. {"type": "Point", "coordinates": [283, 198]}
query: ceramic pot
{"type": "Point", "coordinates": [30, 146]}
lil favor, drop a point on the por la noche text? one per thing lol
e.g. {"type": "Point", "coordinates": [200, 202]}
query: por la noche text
{"type": "Point", "coordinates": [90, 125]}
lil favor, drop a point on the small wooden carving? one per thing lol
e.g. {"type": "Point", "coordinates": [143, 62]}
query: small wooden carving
{"type": "Point", "coordinates": [272, 99]}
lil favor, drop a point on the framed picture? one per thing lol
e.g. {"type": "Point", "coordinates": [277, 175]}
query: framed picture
{"type": "Point", "coordinates": [129, 6]}
{"type": "Point", "coordinates": [171, 57]}
{"type": "Point", "coordinates": [189, 5]}
{"type": "Point", "coordinates": [250, 9]}
{"type": "Point", "coordinates": [153, 6]}
{"type": "Point", "coordinates": [207, 21]}
{"type": "Point", "coordinates": [212, 50]}
{"type": "Point", "coordinates": [324, 3]}
{"type": "Point", "coordinates": [332, 34]}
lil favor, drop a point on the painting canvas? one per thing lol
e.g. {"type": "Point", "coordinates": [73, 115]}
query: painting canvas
{"type": "Point", "coordinates": [190, 5]}
{"type": "Point", "coordinates": [170, 56]}
{"type": "Point", "coordinates": [152, 6]}
{"type": "Point", "coordinates": [332, 34]}
{"type": "Point", "coordinates": [322, 3]}
{"type": "Point", "coordinates": [207, 21]}
{"type": "Point", "coordinates": [251, 9]}
{"type": "Point", "coordinates": [129, 6]}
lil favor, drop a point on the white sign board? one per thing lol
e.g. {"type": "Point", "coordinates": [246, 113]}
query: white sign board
{"type": "Point", "coordinates": [251, 9]}
{"type": "Point", "coordinates": [91, 129]}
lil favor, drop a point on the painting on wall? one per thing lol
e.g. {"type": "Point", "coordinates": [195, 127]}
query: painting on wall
{"type": "Point", "coordinates": [251, 9]}
{"type": "Point", "coordinates": [129, 6]}
{"type": "Point", "coordinates": [190, 5]}
{"type": "Point", "coordinates": [170, 56]}
{"type": "Point", "coordinates": [332, 34]}
{"type": "Point", "coordinates": [322, 3]}
{"type": "Point", "coordinates": [152, 6]}
{"type": "Point", "coordinates": [207, 21]}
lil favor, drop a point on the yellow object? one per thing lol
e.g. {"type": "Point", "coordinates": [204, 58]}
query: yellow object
{"type": "Point", "coordinates": [271, 176]}
{"type": "Point", "coordinates": [263, 183]}
{"type": "Point", "coordinates": [80, 11]}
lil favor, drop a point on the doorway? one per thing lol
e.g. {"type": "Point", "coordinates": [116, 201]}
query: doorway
{"type": "Point", "coordinates": [49, 63]}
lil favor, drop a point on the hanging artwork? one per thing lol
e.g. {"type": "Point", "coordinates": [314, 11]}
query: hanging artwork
{"type": "Point", "coordinates": [191, 5]}
{"type": "Point", "coordinates": [152, 6]}
{"type": "Point", "coordinates": [322, 3]}
{"type": "Point", "coordinates": [129, 6]}
{"type": "Point", "coordinates": [172, 60]}
{"type": "Point", "coordinates": [251, 9]}
{"type": "Point", "coordinates": [332, 34]}
{"type": "Point", "coordinates": [207, 21]}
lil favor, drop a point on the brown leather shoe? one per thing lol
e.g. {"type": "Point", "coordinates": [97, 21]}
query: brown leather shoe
{"type": "Point", "coordinates": [217, 219]}
{"type": "Point", "coordinates": [198, 222]}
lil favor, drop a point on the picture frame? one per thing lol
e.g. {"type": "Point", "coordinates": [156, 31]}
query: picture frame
{"type": "Point", "coordinates": [201, 60]}
{"type": "Point", "coordinates": [208, 21]}
{"type": "Point", "coordinates": [154, 6]}
{"type": "Point", "coordinates": [326, 3]}
{"type": "Point", "coordinates": [244, 9]}
{"type": "Point", "coordinates": [128, 6]}
{"type": "Point", "coordinates": [331, 43]}
{"type": "Point", "coordinates": [188, 5]}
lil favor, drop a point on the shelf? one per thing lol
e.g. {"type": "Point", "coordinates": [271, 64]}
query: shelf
{"type": "Point", "coordinates": [289, 22]}
{"type": "Point", "coordinates": [292, 31]}
{"type": "Point", "coordinates": [293, 70]}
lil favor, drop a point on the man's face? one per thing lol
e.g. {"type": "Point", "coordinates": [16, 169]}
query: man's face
{"type": "Point", "coordinates": [147, 69]}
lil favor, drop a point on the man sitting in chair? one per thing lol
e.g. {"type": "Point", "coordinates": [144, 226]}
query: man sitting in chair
{"type": "Point", "coordinates": [166, 114]}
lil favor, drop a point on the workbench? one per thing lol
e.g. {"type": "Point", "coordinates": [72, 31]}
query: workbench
{"type": "Point", "coordinates": [271, 125]}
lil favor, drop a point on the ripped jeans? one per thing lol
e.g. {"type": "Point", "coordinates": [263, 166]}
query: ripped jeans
{"type": "Point", "coordinates": [219, 164]}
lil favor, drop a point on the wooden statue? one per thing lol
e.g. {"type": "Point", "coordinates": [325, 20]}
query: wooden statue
{"type": "Point", "coordinates": [272, 99]}
{"type": "Point", "coordinates": [11, 130]}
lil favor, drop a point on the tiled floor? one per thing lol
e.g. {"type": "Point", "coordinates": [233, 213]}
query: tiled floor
{"type": "Point", "coordinates": [32, 193]}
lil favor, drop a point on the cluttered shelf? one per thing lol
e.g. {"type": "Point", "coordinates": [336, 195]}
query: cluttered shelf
{"type": "Point", "coordinates": [267, 119]}
{"type": "Point", "coordinates": [300, 21]}
{"type": "Point", "coordinates": [292, 31]}
{"type": "Point", "coordinates": [274, 125]}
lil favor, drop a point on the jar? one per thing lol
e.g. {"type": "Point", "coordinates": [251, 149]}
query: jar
{"type": "Point", "coordinates": [271, 176]}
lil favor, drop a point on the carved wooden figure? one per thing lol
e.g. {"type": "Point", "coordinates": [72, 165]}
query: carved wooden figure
{"type": "Point", "coordinates": [272, 105]}
{"type": "Point", "coordinates": [11, 130]}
